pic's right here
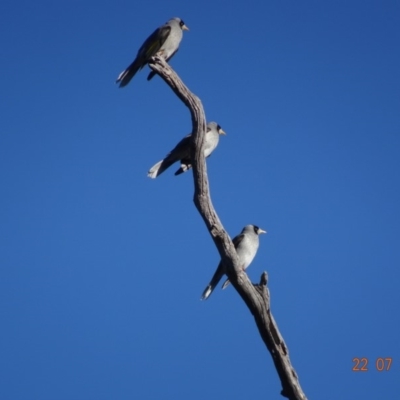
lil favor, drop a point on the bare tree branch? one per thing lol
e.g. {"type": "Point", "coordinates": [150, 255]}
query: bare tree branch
{"type": "Point", "coordinates": [256, 297]}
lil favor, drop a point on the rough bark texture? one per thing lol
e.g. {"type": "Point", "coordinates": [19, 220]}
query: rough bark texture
{"type": "Point", "coordinates": [256, 297]}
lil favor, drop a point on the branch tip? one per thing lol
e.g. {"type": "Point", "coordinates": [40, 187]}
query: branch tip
{"type": "Point", "coordinates": [264, 279]}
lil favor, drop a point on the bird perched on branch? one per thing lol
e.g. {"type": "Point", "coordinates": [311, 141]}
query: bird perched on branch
{"type": "Point", "coordinates": [246, 245]}
{"type": "Point", "coordinates": [164, 40]}
{"type": "Point", "coordinates": [181, 152]}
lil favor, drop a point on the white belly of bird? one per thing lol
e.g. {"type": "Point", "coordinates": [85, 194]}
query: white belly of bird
{"type": "Point", "coordinates": [247, 254]}
{"type": "Point", "coordinates": [171, 45]}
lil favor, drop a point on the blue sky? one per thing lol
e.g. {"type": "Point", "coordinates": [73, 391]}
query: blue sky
{"type": "Point", "coordinates": [102, 268]}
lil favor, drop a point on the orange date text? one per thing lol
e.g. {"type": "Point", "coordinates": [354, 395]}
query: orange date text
{"type": "Point", "coordinates": [381, 364]}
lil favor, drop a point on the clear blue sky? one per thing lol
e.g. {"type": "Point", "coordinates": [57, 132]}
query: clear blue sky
{"type": "Point", "coordinates": [101, 268]}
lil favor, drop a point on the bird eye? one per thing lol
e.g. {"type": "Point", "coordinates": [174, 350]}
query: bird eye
{"type": "Point", "coordinates": [181, 23]}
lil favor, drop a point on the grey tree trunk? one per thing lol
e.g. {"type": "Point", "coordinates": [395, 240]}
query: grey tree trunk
{"type": "Point", "coordinates": [257, 296]}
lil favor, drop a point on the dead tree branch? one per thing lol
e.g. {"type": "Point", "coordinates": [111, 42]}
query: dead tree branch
{"type": "Point", "coordinates": [256, 297]}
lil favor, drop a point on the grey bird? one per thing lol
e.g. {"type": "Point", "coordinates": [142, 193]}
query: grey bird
{"type": "Point", "coordinates": [246, 245]}
{"type": "Point", "coordinates": [181, 152]}
{"type": "Point", "coordinates": [164, 40]}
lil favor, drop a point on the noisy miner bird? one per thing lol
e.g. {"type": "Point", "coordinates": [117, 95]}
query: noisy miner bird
{"type": "Point", "coordinates": [246, 245]}
{"type": "Point", "coordinates": [164, 40]}
{"type": "Point", "coordinates": [181, 152]}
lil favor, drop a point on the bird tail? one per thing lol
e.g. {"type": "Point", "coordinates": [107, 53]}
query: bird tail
{"type": "Point", "coordinates": [159, 168]}
{"type": "Point", "coordinates": [183, 168]}
{"type": "Point", "coordinates": [125, 76]}
{"type": "Point", "coordinates": [207, 291]}
{"type": "Point", "coordinates": [151, 75]}
{"type": "Point", "coordinates": [213, 283]}
{"type": "Point", "coordinates": [225, 284]}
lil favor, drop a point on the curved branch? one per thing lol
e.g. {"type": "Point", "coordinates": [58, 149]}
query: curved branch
{"type": "Point", "coordinates": [256, 297]}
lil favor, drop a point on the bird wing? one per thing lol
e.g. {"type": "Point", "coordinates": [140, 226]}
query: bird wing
{"type": "Point", "coordinates": [185, 166]}
{"type": "Point", "coordinates": [237, 240]}
{"type": "Point", "coordinates": [154, 42]}
{"type": "Point", "coordinates": [182, 149]}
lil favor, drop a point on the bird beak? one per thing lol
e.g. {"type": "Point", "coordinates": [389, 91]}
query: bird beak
{"type": "Point", "coordinates": [222, 132]}
{"type": "Point", "coordinates": [185, 28]}
{"type": "Point", "coordinates": [261, 231]}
